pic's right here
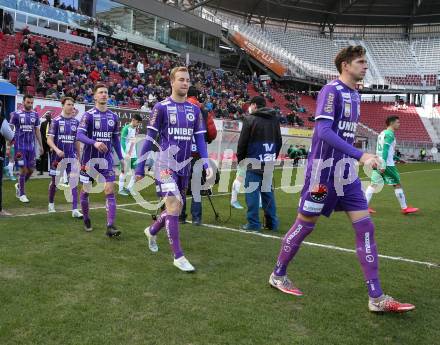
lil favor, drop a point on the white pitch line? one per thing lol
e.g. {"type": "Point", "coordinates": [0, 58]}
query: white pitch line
{"type": "Point", "coordinates": [312, 244]}
{"type": "Point", "coordinates": [326, 246]}
{"type": "Point", "coordinates": [189, 197]}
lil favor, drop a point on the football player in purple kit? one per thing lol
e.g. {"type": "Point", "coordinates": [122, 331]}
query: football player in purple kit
{"type": "Point", "coordinates": [99, 132]}
{"type": "Point", "coordinates": [61, 138]}
{"type": "Point", "coordinates": [330, 185]}
{"type": "Point", "coordinates": [27, 127]}
{"type": "Point", "coordinates": [175, 120]}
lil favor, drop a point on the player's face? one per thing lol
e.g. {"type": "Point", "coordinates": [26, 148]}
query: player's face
{"type": "Point", "coordinates": [357, 69]}
{"type": "Point", "coordinates": [28, 104]}
{"type": "Point", "coordinates": [68, 108]}
{"type": "Point", "coordinates": [101, 96]}
{"type": "Point", "coordinates": [180, 84]}
{"type": "Point", "coordinates": [396, 124]}
{"type": "Point", "coordinates": [135, 123]}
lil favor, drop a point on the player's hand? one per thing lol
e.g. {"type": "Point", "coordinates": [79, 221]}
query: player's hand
{"type": "Point", "coordinates": [382, 171]}
{"type": "Point", "coordinates": [101, 147]}
{"type": "Point", "coordinates": [209, 173]}
{"type": "Point", "coordinates": [371, 160]}
{"type": "Point", "coordinates": [138, 178]}
{"type": "Point", "coordinates": [60, 153]}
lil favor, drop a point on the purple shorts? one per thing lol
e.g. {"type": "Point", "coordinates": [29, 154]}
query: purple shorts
{"type": "Point", "coordinates": [168, 183]}
{"type": "Point", "coordinates": [323, 199]}
{"type": "Point", "coordinates": [25, 158]}
{"type": "Point", "coordinates": [101, 175]}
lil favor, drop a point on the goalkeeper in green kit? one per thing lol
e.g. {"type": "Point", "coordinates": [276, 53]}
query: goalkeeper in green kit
{"type": "Point", "coordinates": [388, 174]}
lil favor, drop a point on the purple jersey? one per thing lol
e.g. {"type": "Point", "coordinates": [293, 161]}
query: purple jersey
{"type": "Point", "coordinates": [340, 104]}
{"type": "Point", "coordinates": [102, 127]}
{"type": "Point", "coordinates": [176, 124]}
{"type": "Point", "coordinates": [25, 123]}
{"type": "Point", "coordinates": [63, 130]}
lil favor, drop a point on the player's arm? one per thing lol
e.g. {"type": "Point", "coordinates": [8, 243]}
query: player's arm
{"type": "Point", "coordinates": [116, 143]}
{"type": "Point", "coordinates": [50, 135]}
{"type": "Point", "coordinates": [78, 149]}
{"type": "Point", "coordinates": [243, 140]}
{"type": "Point", "coordinates": [6, 131]}
{"type": "Point", "coordinates": [124, 134]}
{"type": "Point", "coordinates": [38, 135]}
{"type": "Point", "coordinates": [387, 141]}
{"type": "Point", "coordinates": [153, 128]}
{"type": "Point", "coordinates": [13, 121]}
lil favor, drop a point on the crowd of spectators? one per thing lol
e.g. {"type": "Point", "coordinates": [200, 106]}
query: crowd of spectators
{"type": "Point", "coordinates": [136, 77]}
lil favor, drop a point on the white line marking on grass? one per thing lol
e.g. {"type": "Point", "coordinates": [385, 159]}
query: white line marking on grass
{"type": "Point", "coordinates": [189, 197]}
{"type": "Point", "coordinates": [326, 246]}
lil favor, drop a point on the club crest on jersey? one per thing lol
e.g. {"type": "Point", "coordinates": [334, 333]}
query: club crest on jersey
{"type": "Point", "coordinates": [97, 123]}
{"type": "Point", "coordinates": [190, 117]}
{"type": "Point", "coordinates": [73, 127]}
{"type": "Point", "coordinates": [173, 118]}
{"type": "Point", "coordinates": [319, 192]}
{"type": "Point", "coordinates": [347, 109]}
{"type": "Point", "coordinates": [32, 119]}
{"type": "Point", "coordinates": [111, 123]}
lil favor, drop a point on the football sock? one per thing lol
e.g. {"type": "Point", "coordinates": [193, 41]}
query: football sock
{"type": "Point", "coordinates": [121, 181]}
{"type": "Point", "coordinates": [111, 208]}
{"type": "Point", "coordinates": [172, 227]}
{"type": "Point", "coordinates": [131, 183]}
{"type": "Point", "coordinates": [235, 189]}
{"type": "Point", "coordinates": [21, 181]}
{"type": "Point", "coordinates": [52, 190]}
{"type": "Point", "coordinates": [11, 168]}
{"type": "Point", "coordinates": [369, 193]}
{"type": "Point", "coordinates": [401, 197]}
{"type": "Point", "coordinates": [84, 199]}
{"type": "Point", "coordinates": [291, 243]}
{"type": "Point", "coordinates": [367, 255]}
{"type": "Point", "coordinates": [158, 224]}
{"type": "Point", "coordinates": [74, 198]}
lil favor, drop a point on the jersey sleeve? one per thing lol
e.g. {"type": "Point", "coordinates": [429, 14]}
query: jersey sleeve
{"type": "Point", "coordinates": [199, 124]}
{"type": "Point", "coordinates": [124, 134]}
{"type": "Point", "coordinates": [326, 103]}
{"type": "Point", "coordinates": [37, 121]}
{"type": "Point", "coordinates": [84, 124]}
{"type": "Point", "coordinates": [14, 120]}
{"type": "Point", "coordinates": [53, 129]}
{"type": "Point", "coordinates": [156, 117]}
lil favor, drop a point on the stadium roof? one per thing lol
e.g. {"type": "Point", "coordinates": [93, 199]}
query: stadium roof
{"type": "Point", "coordinates": [350, 12]}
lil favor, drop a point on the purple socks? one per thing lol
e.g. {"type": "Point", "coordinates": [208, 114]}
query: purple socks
{"type": "Point", "coordinates": [158, 224]}
{"type": "Point", "coordinates": [84, 199]}
{"type": "Point", "coordinates": [172, 227]}
{"type": "Point", "coordinates": [52, 190]}
{"type": "Point", "coordinates": [291, 243]}
{"type": "Point", "coordinates": [111, 208]}
{"type": "Point", "coordinates": [367, 254]}
{"type": "Point", "coordinates": [21, 182]}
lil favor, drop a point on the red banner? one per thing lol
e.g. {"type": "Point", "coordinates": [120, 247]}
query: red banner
{"type": "Point", "coordinates": [261, 56]}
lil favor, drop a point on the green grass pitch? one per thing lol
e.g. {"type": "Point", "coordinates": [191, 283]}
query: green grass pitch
{"type": "Point", "coordinates": [60, 285]}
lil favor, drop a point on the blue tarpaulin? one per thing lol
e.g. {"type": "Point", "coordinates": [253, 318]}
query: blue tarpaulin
{"type": "Point", "coordinates": [7, 89]}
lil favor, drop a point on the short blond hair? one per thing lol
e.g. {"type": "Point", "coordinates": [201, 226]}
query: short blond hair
{"type": "Point", "coordinates": [177, 69]}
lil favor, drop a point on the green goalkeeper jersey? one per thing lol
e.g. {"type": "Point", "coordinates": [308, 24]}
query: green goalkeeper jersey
{"type": "Point", "coordinates": [386, 146]}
